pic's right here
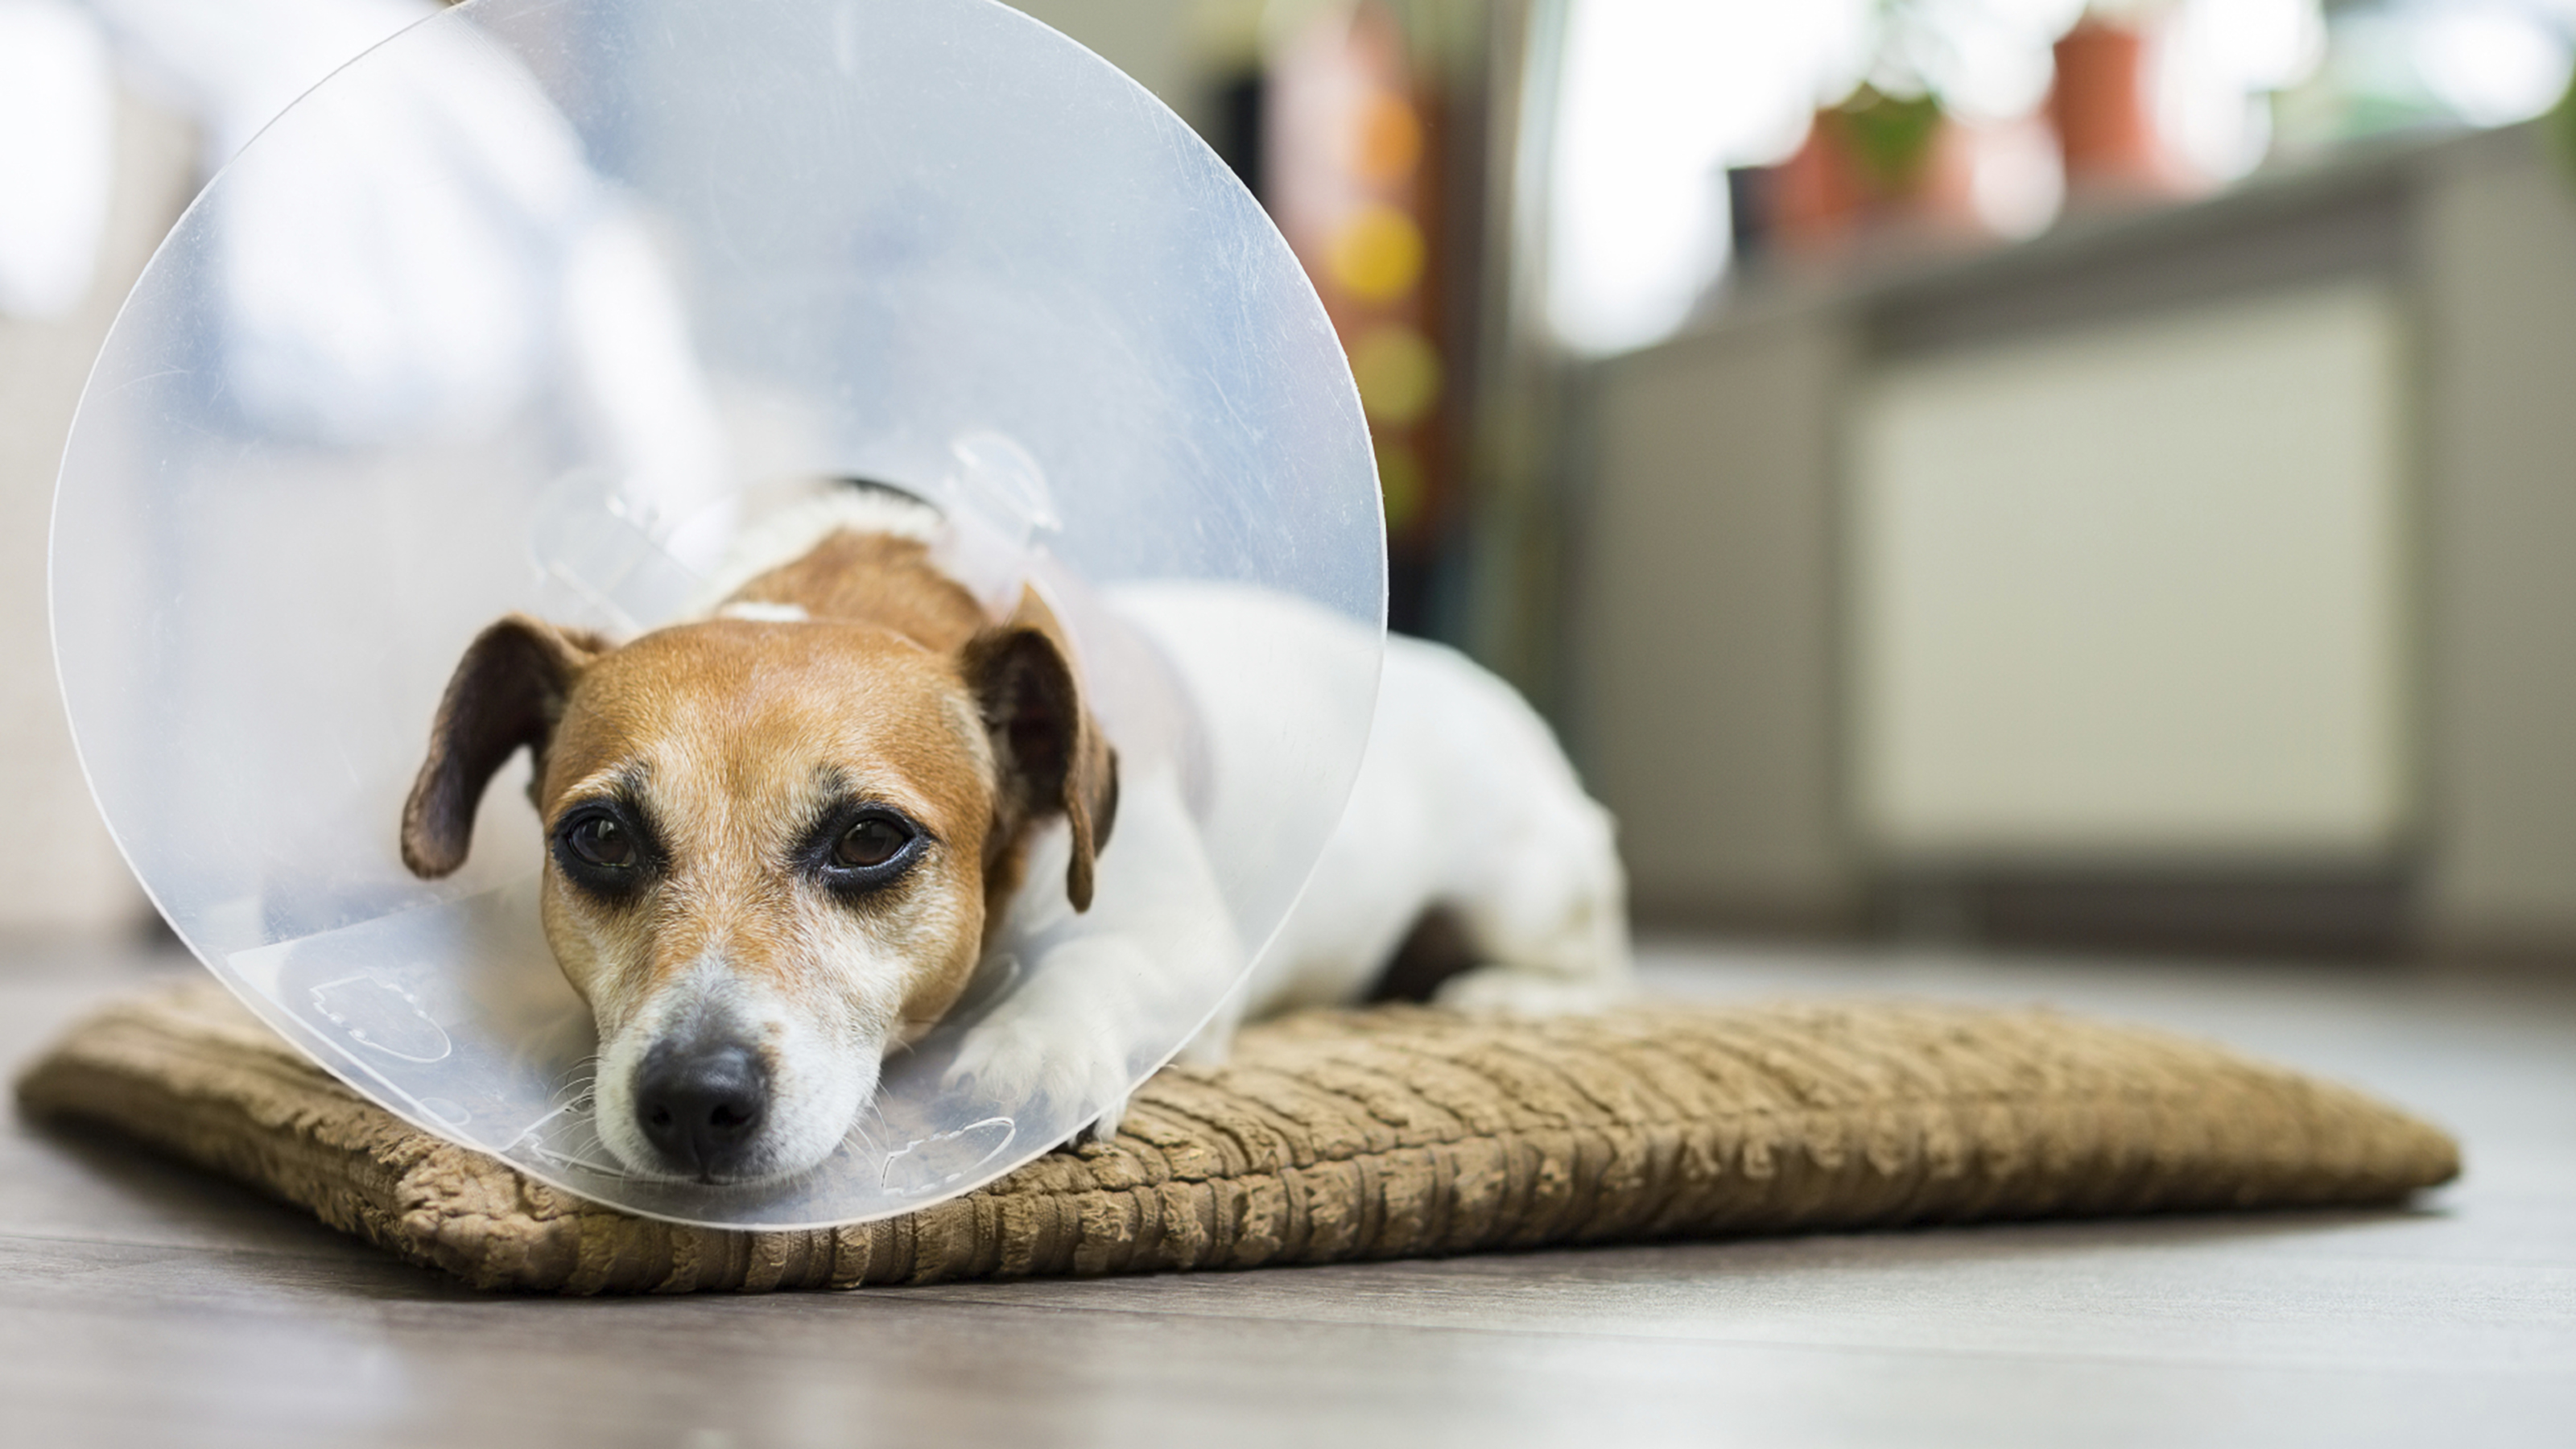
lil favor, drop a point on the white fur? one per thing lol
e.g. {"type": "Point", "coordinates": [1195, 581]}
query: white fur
{"type": "Point", "coordinates": [760, 613]}
{"type": "Point", "coordinates": [1135, 969]}
{"type": "Point", "coordinates": [1463, 800]}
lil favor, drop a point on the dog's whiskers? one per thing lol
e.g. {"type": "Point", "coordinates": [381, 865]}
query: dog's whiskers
{"type": "Point", "coordinates": [859, 1127]}
{"type": "Point", "coordinates": [577, 1085]}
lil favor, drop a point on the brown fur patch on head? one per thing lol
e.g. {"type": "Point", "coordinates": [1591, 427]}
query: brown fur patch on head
{"type": "Point", "coordinates": [880, 578]}
{"type": "Point", "coordinates": [737, 740]}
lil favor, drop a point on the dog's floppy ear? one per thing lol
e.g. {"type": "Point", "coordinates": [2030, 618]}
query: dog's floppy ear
{"type": "Point", "coordinates": [507, 691]}
{"type": "Point", "coordinates": [1046, 745]}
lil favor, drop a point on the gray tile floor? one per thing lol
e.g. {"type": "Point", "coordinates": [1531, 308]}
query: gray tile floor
{"type": "Point", "coordinates": [144, 1304]}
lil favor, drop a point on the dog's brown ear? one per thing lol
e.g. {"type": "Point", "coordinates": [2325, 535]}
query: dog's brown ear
{"type": "Point", "coordinates": [1046, 745]}
{"type": "Point", "coordinates": [507, 692]}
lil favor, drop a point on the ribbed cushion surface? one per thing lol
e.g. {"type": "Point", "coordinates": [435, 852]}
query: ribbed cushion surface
{"type": "Point", "coordinates": [1384, 1133]}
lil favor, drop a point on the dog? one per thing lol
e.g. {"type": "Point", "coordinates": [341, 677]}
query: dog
{"type": "Point", "coordinates": [781, 837]}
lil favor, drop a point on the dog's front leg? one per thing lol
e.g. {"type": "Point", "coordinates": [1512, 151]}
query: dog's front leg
{"type": "Point", "coordinates": [1107, 991]}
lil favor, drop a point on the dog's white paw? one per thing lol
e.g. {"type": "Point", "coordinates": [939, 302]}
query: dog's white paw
{"type": "Point", "coordinates": [1519, 991]}
{"type": "Point", "coordinates": [1106, 1125]}
{"type": "Point", "coordinates": [1064, 1062]}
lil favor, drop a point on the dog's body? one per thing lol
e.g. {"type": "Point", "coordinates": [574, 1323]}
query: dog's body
{"type": "Point", "coordinates": [783, 837]}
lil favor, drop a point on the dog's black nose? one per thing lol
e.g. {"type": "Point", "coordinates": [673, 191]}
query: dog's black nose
{"type": "Point", "coordinates": [701, 1106]}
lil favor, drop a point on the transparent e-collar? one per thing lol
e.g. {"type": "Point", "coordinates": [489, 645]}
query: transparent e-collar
{"type": "Point", "coordinates": [923, 241]}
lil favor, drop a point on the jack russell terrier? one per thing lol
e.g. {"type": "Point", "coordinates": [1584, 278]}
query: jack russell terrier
{"type": "Point", "coordinates": [781, 837]}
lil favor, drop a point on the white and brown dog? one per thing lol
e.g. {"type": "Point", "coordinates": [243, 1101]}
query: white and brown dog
{"type": "Point", "coordinates": [781, 838]}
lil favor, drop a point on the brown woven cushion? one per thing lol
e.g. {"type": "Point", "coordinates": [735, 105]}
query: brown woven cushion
{"type": "Point", "coordinates": [1338, 1135]}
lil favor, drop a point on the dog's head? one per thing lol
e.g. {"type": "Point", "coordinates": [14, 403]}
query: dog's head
{"type": "Point", "coordinates": [773, 850]}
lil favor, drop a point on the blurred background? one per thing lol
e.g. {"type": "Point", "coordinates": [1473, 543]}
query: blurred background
{"type": "Point", "coordinates": [2012, 472]}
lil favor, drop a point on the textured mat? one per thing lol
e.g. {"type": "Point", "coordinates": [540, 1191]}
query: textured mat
{"type": "Point", "coordinates": [1387, 1133]}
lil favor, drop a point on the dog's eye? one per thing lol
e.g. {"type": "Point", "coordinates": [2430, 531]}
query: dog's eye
{"type": "Point", "coordinates": [606, 850]}
{"type": "Point", "coordinates": [863, 848]}
{"type": "Point", "coordinates": [602, 842]}
{"type": "Point", "coordinates": [871, 842]}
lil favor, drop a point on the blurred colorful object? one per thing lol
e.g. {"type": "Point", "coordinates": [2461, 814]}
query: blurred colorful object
{"type": "Point", "coordinates": [1901, 164]}
{"type": "Point", "coordinates": [1376, 254]}
{"type": "Point", "coordinates": [1930, 120]}
{"type": "Point", "coordinates": [1352, 179]}
{"type": "Point", "coordinates": [2106, 131]}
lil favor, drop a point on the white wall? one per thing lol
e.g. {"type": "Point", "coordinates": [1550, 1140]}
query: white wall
{"type": "Point", "coordinates": [2499, 250]}
{"type": "Point", "coordinates": [2139, 590]}
{"type": "Point", "coordinates": [1704, 636]}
